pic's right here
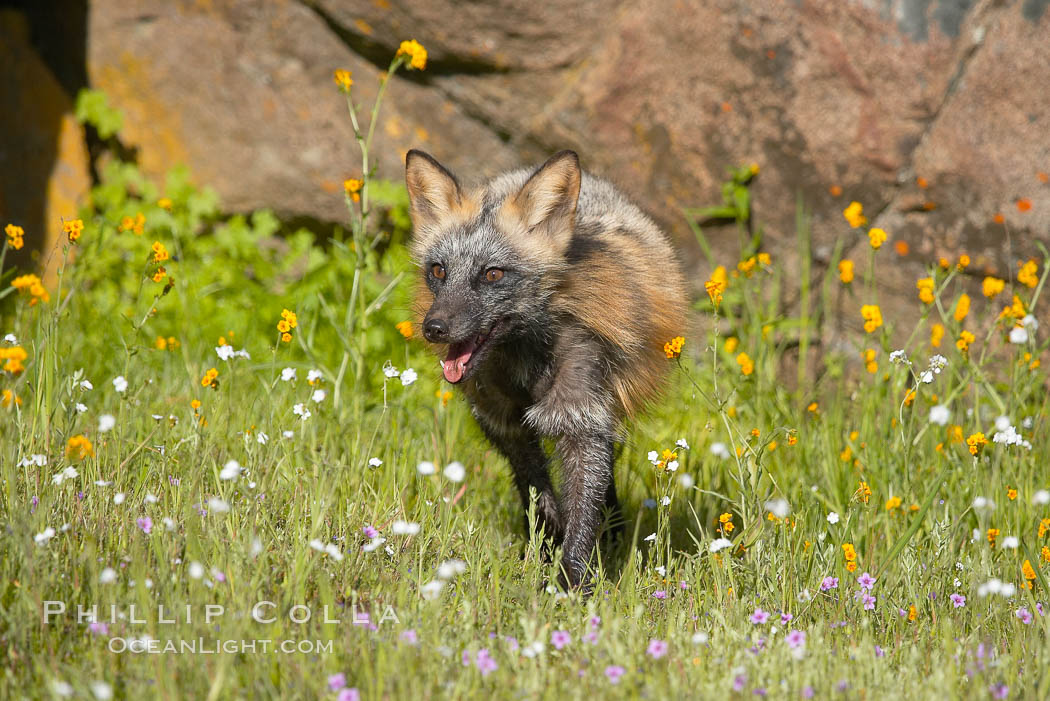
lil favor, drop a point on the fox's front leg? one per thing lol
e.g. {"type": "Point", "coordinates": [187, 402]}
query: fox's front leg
{"type": "Point", "coordinates": [578, 408]}
{"type": "Point", "coordinates": [587, 461]}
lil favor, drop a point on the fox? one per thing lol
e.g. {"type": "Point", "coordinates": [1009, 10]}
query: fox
{"type": "Point", "coordinates": [550, 296]}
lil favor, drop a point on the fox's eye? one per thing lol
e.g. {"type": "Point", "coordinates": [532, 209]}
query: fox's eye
{"type": "Point", "coordinates": [438, 271]}
{"type": "Point", "coordinates": [493, 275]}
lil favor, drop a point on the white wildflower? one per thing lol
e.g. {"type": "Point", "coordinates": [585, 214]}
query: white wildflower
{"type": "Point", "coordinates": [218, 506]}
{"type": "Point", "coordinates": [120, 384]}
{"type": "Point", "coordinates": [940, 414]}
{"type": "Point", "coordinates": [44, 536]}
{"type": "Point", "coordinates": [720, 544]}
{"type": "Point", "coordinates": [455, 471]}
{"type": "Point", "coordinates": [408, 377]}
{"type": "Point", "coordinates": [288, 375]}
{"type": "Point", "coordinates": [404, 528]}
{"type": "Point", "coordinates": [106, 422]}
{"type": "Point", "coordinates": [230, 471]}
{"type": "Point", "coordinates": [432, 589]}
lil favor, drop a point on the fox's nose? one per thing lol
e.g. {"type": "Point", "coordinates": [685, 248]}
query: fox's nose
{"type": "Point", "coordinates": [435, 330]}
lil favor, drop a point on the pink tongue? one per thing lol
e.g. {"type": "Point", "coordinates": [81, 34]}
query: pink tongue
{"type": "Point", "coordinates": [458, 356]}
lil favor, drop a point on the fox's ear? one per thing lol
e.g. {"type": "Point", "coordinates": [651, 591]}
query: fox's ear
{"type": "Point", "coordinates": [546, 204]}
{"type": "Point", "coordinates": [433, 191]}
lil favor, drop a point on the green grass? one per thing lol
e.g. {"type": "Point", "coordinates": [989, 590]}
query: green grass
{"type": "Point", "coordinates": [318, 484]}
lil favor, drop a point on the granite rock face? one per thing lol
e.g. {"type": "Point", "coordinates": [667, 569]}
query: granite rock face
{"type": "Point", "coordinates": [929, 112]}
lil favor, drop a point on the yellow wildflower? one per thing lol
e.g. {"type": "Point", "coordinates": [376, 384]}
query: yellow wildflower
{"type": "Point", "coordinates": [164, 203]}
{"type": "Point", "coordinates": [13, 358]}
{"type": "Point", "coordinates": [854, 214]}
{"type": "Point", "coordinates": [912, 613]}
{"type": "Point", "coordinates": [964, 261]}
{"type": "Point", "coordinates": [992, 534]}
{"type": "Point", "coordinates": [849, 552]}
{"type": "Point", "coordinates": [1016, 310]}
{"type": "Point", "coordinates": [352, 187]}
{"type": "Point", "coordinates": [673, 348]}
{"type": "Point", "coordinates": [846, 271]}
{"type": "Point", "coordinates": [869, 361]}
{"type": "Point", "coordinates": [416, 53]}
{"type": "Point", "coordinates": [725, 523]}
{"type": "Point", "coordinates": [731, 344]}
{"type": "Point", "coordinates": [211, 379]}
{"type": "Point", "coordinates": [1028, 572]}
{"type": "Point", "coordinates": [872, 317]}
{"type": "Point", "coordinates": [1011, 493]}
{"type": "Point", "coordinates": [925, 286]}
{"type": "Point", "coordinates": [965, 339]}
{"type": "Point", "coordinates": [73, 228]}
{"type": "Point", "coordinates": [1028, 275]}
{"type": "Point", "coordinates": [747, 366]}
{"type": "Point", "coordinates": [7, 397]}
{"type": "Point", "coordinates": [962, 307]}
{"type": "Point", "coordinates": [14, 236]}
{"type": "Point", "coordinates": [717, 285]}
{"type": "Point", "coordinates": [343, 79]}
{"type": "Point", "coordinates": [992, 286]}
{"type": "Point", "coordinates": [404, 328]}
{"type": "Point", "coordinates": [876, 237]}
{"type": "Point", "coordinates": [975, 442]}
{"type": "Point", "coordinates": [863, 492]}
{"type": "Point", "coordinates": [893, 503]}
{"type": "Point", "coordinates": [1044, 527]}
{"type": "Point", "coordinates": [160, 253]}
{"type": "Point", "coordinates": [79, 447]}
{"type": "Point", "coordinates": [936, 334]}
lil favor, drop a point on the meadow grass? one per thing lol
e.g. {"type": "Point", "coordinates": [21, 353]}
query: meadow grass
{"type": "Point", "coordinates": [836, 534]}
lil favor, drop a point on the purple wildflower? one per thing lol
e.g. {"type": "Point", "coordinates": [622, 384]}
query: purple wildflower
{"type": "Point", "coordinates": [796, 639]}
{"type": "Point", "coordinates": [614, 672]}
{"type": "Point", "coordinates": [410, 637]}
{"type": "Point", "coordinates": [999, 691]}
{"type": "Point", "coordinates": [98, 628]}
{"type": "Point", "coordinates": [351, 694]}
{"type": "Point", "coordinates": [659, 594]}
{"type": "Point", "coordinates": [596, 621]}
{"type": "Point", "coordinates": [145, 523]}
{"type": "Point", "coordinates": [869, 601]}
{"type": "Point", "coordinates": [866, 581]}
{"type": "Point", "coordinates": [1025, 615]}
{"type": "Point", "coordinates": [336, 681]}
{"type": "Point", "coordinates": [829, 583]}
{"type": "Point", "coordinates": [879, 652]}
{"type": "Point", "coordinates": [370, 532]}
{"type": "Point", "coordinates": [465, 658]}
{"type": "Point", "coordinates": [807, 692]}
{"type": "Point", "coordinates": [560, 638]}
{"type": "Point", "coordinates": [739, 681]}
{"type": "Point", "coordinates": [485, 663]}
{"type": "Point", "coordinates": [591, 637]}
{"type": "Point", "coordinates": [657, 648]}
{"type": "Point", "coordinates": [958, 600]}
{"type": "Point", "coordinates": [758, 691]}
{"type": "Point", "coordinates": [759, 616]}
{"type": "Point", "coordinates": [786, 618]}
{"type": "Point", "coordinates": [512, 643]}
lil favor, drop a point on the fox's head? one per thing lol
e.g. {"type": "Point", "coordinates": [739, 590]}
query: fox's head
{"type": "Point", "coordinates": [491, 256]}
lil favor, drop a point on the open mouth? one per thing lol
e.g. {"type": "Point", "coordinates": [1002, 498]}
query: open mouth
{"type": "Point", "coordinates": [462, 356]}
